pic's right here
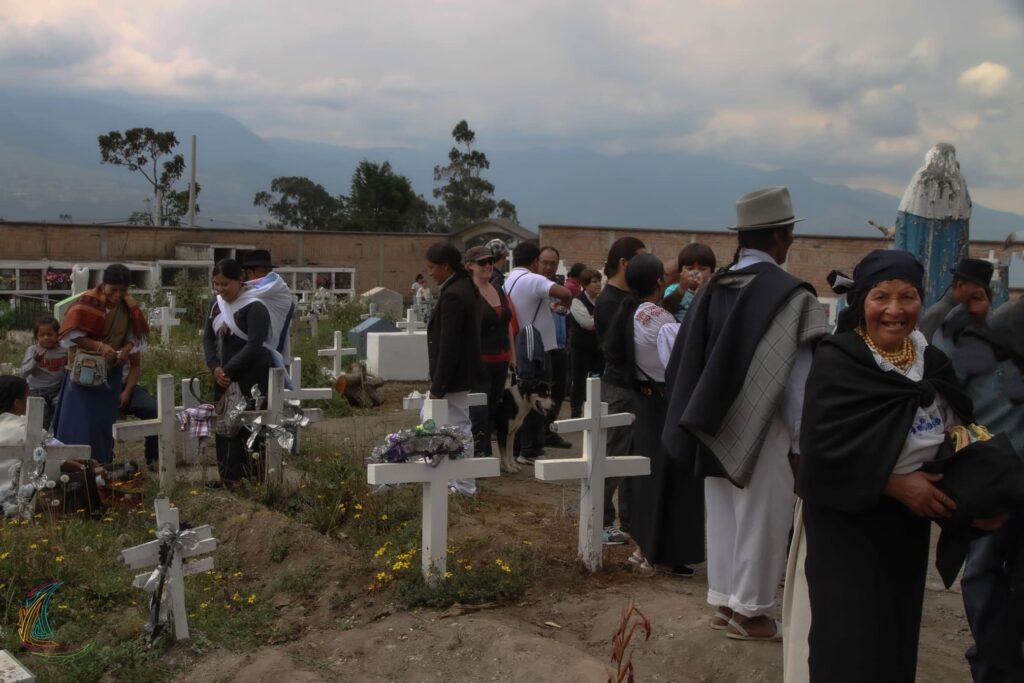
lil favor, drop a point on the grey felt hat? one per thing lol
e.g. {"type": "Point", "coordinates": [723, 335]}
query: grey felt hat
{"type": "Point", "coordinates": [769, 207]}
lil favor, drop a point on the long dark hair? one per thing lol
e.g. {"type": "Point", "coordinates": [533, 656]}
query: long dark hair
{"type": "Point", "coordinates": [229, 268]}
{"type": "Point", "coordinates": [622, 248]}
{"type": "Point", "coordinates": [643, 275]}
{"type": "Point", "coordinates": [445, 252]}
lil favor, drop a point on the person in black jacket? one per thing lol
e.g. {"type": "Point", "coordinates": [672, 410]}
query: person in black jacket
{"type": "Point", "coordinates": [235, 343]}
{"type": "Point", "coordinates": [453, 339]}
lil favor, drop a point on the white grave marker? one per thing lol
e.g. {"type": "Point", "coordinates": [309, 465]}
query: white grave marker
{"type": "Point", "coordinates": [190, 446]}
{"type": "Point", "coordinates": [434, 552]}
{"type": "Point", "coordinates": [165, 320]}
{"type": "Point", "coordinates": [35, 437]}
{"type": "Point", "coordinates": [412, 322]}
{"type": "Point", "coordinates": [148, 555]}
{"type": "Point", "coordinates": [272, 416]}
{"type": "Point", "coordinates": [336, 353]}
{"type": "Point", "coordinates": [13, 671]}
{"type": "Point", "coordinates": [592, 468]}
{"type": "Point", "coordinates": [314, 323]}
{"type": "Point", "coordinates": [172, 304]}
{"type": "Point", "coordinates": [371, 312]}
{"type": "Point", "coordinates": [163, 427]}
{"type": "Point", "coordinates": [297, 393]}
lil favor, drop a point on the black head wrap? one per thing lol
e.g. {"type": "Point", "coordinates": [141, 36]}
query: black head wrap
{"type": "Point", "coordinates": [878, 266]}
{"type": "Point", "coordinates": [12, 388]}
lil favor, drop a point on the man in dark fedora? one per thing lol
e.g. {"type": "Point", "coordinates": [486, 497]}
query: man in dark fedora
{"type": "Point", "coordinates": [278, 299]}
{"type": "Point", "coordinates": [735, 386]}
{"type": "Point", "coordinates": [971, 289]}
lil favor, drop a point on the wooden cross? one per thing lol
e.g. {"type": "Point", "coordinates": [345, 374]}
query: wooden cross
{"type": "Point", "coordinates": [415, 402]}
{"type": "Point", "coordinates": [314, 323]}
{"type": "Point", "coordinates": [337, 353]}
{"type": "Point", "coordinates": [148, 555]}
{"type": "Point", "coordinates": [411, 323]}
{"type": "Point", "coordinates": [165, 320]}
{"type": "Point", "coordinates": [371, 312]}
{"type": "Point", "coordinates": [434, 552]}
{"type": "Point", "coordinates": [172, 305]}
{"type": "Point", "coordinates": [163, 426]}
{"type": "Point", "coordinates": [272, 416]}
{"type": "Point", "coordinates": [35, 437]}
{"type": "Point", "coordinates": [297, 393]}
{"type": "Point", "coordinates": [592, 468]}
{"type": "Point", "coordinates": [190, 446]}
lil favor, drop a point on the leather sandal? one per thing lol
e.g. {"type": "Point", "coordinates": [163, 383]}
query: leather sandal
{"type": "Point", "coordinates": [736, 631]}
{"type": "Point", "coordinates": [720, 622]}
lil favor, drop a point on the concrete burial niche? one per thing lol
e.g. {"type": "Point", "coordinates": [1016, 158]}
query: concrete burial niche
{"type": "Point", "coordinates": [357, 335]}
{"type": "Point", "coordinates": [389, 302]}
{"type": "Point", "coordinates": [397, 355]}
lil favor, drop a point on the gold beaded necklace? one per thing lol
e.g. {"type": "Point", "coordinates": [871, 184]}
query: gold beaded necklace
{"type": "Point", "coordinates": [902, 359]}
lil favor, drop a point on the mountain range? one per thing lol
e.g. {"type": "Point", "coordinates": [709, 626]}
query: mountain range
{"type": "Point", "coordinates": [50, 165]}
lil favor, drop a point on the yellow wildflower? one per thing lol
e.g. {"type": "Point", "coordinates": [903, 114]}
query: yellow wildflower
{"type": "Point", "coordinates": [359, 506]}
{"type": "Point", "coordinates": [236, 597]}
{"type": "Point", "coordinates": [383, 518]}
{"type": "Point", "coordinates": [44, 540]}
{"type": "Point", "coordinates": [62, 606]}
{"type": "Point", "coordinates": [108, 519]}
{"type": "Point", "coordinates": [193, 492]}
{"type": "Point", "coordinates": [33, 546]}
{"type": "Point", "coordinates": [357, 515]}
{"type": "Point", "coordinates": [204, 605]}
{"type": "Point", "coordinates": [448, 575]}
{"type": "Point", "coordinates": [237, 574]}
{"type": "Point", "coordinates": [4, 555]}
{"type": "Point", "coordinates": [251, 599]}
{"type": "Point", "coordinates": [59, 558]}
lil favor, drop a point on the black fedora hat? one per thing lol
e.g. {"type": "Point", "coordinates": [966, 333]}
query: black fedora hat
{"type": "Point", "coordinates": [257, 258]}
{"type": "Point", "coordinates": [974, 270]}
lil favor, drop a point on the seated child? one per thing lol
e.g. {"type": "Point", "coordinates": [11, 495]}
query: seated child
{"type": "Point", "coordinates": [43, 365]}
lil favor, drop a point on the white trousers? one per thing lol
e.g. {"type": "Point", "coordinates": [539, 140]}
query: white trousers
{"type": "Point", "coordinates": [458, 416]}
{"type": "Point", "coordinates": [748, 530]}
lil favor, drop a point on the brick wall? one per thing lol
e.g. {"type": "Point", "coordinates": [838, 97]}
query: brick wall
{"type": "Point", "coordinates": [811, 257]}
{"type": "Point", "coordinates": [380, 259]}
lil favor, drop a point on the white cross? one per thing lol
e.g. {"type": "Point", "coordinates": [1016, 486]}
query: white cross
{"type": "Point", "coordinates": [172, 305]}
{"type": "Point", "coordinates": [371, 312]}
{"type": "Point", "coordinates": [165, 320]}
{"type": "Point", "coordinates": [314, 323]}
{"type": "Point", "coordinates": [190, 446]}
{"type": "Point", "coordinates": [148, 555]}
{"type": "Point", "coordinates": [272, 416]}
{"type": "Point", "coordinates": [297, 393]}
{"type": "Point", "coordinates": [411, 323]}
{"type": "Point", "coordinates": [162, 427]}
{"type": "Point", "coordinates": [435, 480]}
{"type": "Point", "coordinates": [415, 401]}
{"type": "Point", "coordinates": [34, 437]}
{"type": "Point", "coordinates": [592, 468]}
{"type": "Point", "coordinates": [337, 353]}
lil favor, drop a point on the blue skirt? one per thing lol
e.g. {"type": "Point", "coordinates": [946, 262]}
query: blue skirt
{"type": "Point", "coordinates": [86, 415]}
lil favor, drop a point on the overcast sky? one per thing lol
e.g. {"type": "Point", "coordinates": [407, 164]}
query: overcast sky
{"type": "Point", "coordinates": [850, 92]}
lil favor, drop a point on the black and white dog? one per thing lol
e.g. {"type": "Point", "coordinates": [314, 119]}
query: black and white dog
{"type": "Point", "coordinates": [518, 400]}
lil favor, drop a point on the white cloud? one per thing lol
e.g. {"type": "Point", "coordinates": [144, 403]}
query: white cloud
{"type": "Point", "coordinates": [986, 79]}
{"type": "Point", "coordinates": [833, 89]}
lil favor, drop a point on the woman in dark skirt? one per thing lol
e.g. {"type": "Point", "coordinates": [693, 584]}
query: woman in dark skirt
{"type": "Point", "coordinates": [235, 346]}
{"type": "Point", "coordinates": [878, 404]}
{"type": "Point", "coordinates": [667, 520]}
{"type": "Point", "coordinates": [104, 320]}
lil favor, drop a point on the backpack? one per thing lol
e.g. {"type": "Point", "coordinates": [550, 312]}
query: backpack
{"type": "Point", "coordinates": [532, 363]}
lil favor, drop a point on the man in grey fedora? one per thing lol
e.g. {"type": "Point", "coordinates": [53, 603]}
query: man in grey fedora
{"type": "Point", "coordinates": [735, 387]}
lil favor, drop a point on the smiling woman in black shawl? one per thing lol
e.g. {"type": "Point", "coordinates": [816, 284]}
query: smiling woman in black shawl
{"type": "Point", "coordinates": [877, 405]}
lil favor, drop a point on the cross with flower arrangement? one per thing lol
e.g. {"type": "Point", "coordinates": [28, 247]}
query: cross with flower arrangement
{"type": "Point", "coordinates": [432, 454]}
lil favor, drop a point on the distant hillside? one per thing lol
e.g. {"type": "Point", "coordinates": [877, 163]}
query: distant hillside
{"type": "Point", "coordinates": [49, 165]}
